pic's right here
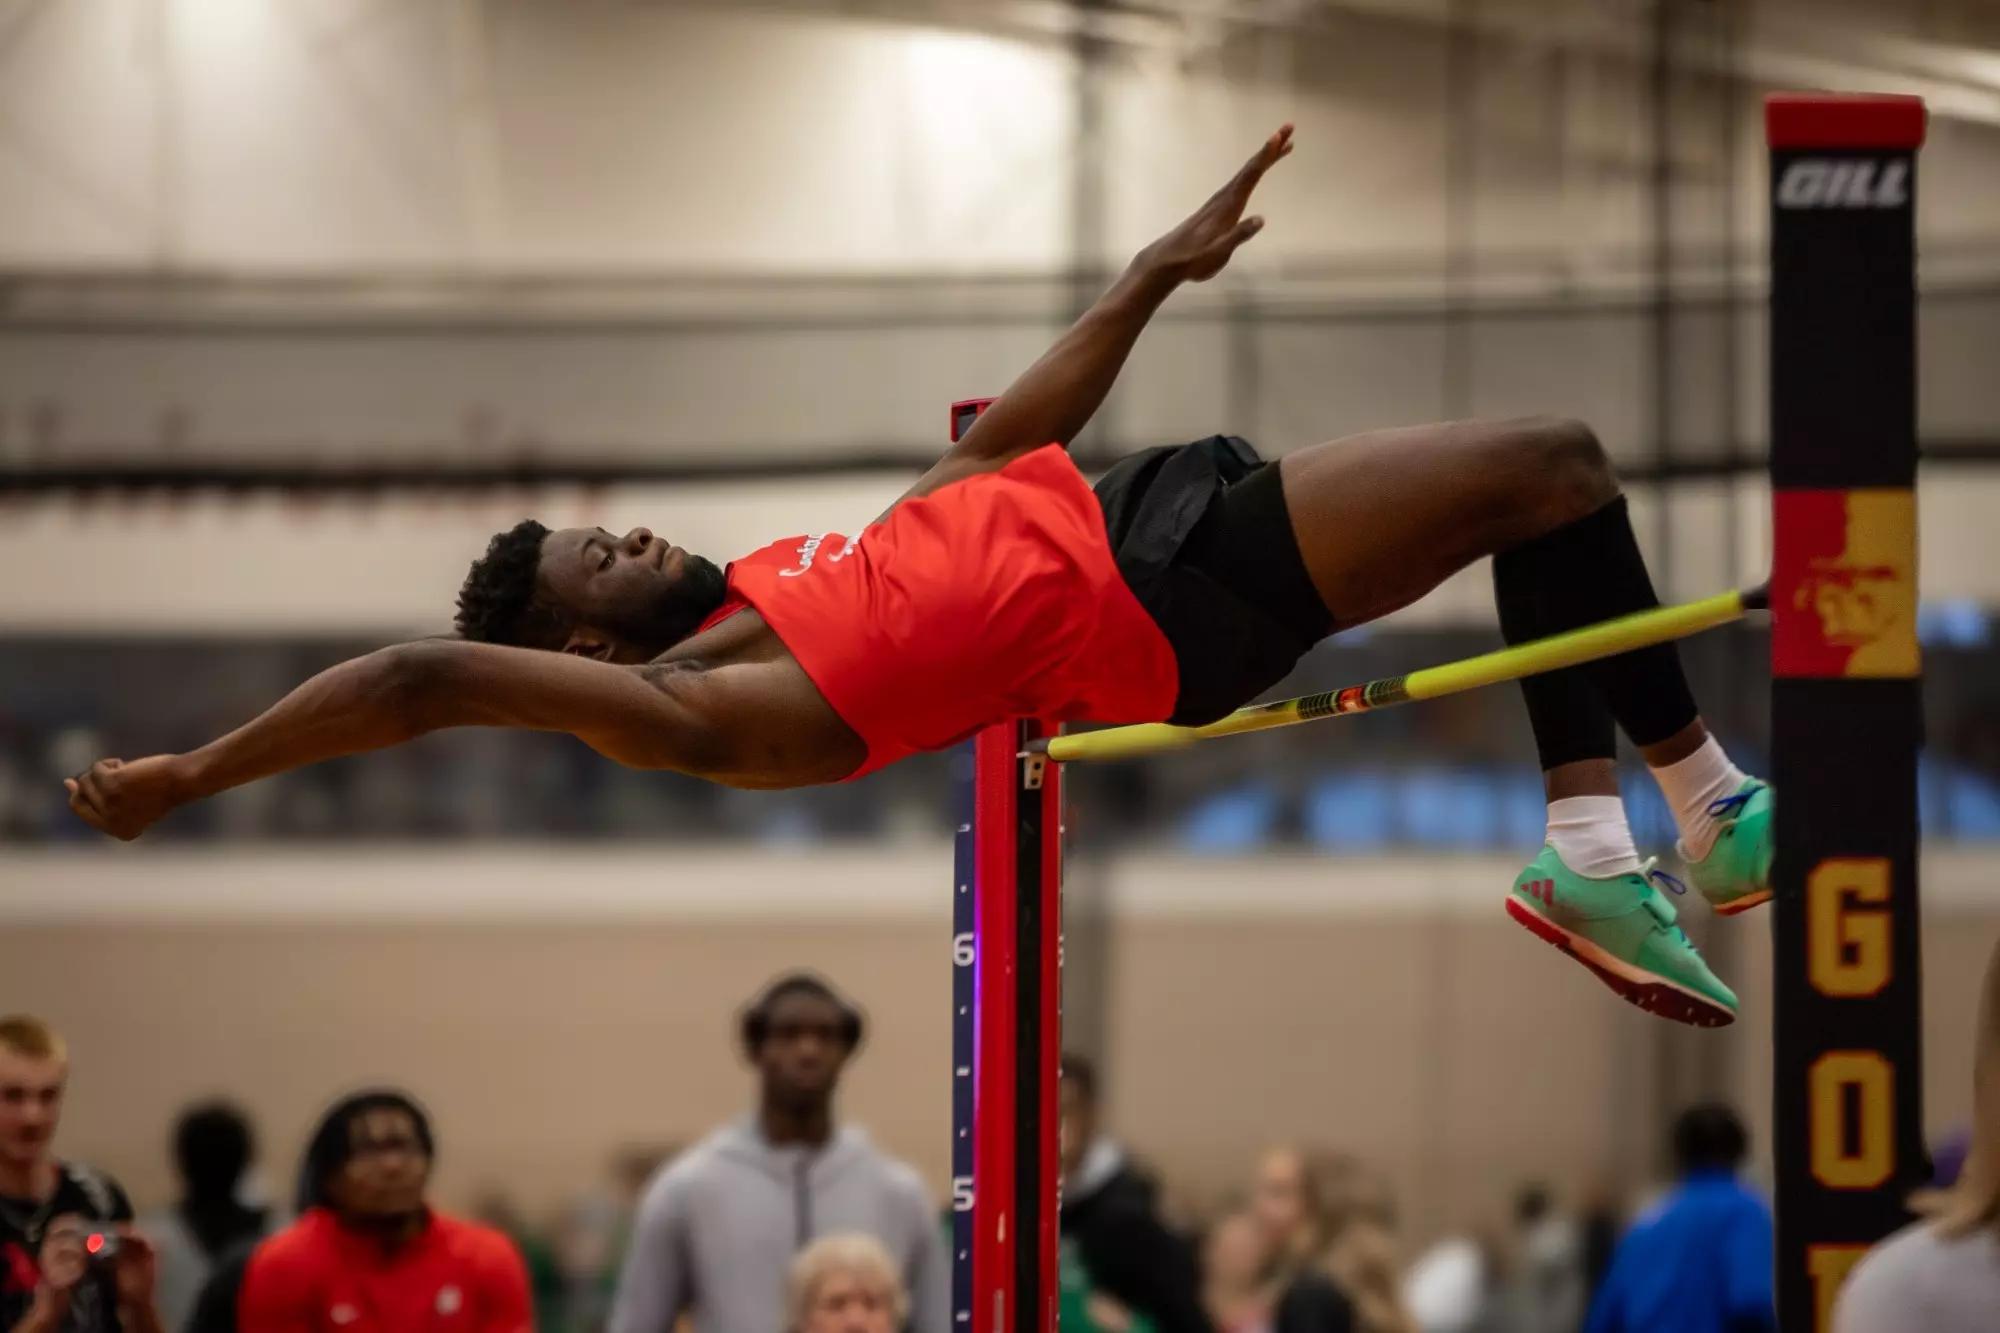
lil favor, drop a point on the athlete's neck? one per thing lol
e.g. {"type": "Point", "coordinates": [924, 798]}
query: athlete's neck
{"type": "Point", "coordinates": [810, 1125]}
{"type": "Point", "coordinates": [34, 1178]}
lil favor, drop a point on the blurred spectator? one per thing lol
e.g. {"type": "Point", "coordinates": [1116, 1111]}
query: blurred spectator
{"type": "Point", "coordinates": [1110, 1218]}
{"type": "Point", "coordinates": [1286, 1205]}
{"type": "Point", "coordinates": [545, 1281]}
{"type": "Point", "coordinates": [1600, 1217]}
{"type": "Point", "coordinates": [718, 1228]}
{"type": "Point", "coordinates": [1081, 1308]}
{"type": "Point", "coordinates": [1250, 1285]}
{"type": "Point", "coordinates": [594, 1233]}
{"type": "Point", "coordinates": [1346, 1192]}
{"type": "Point", "coordinates": [1351, 1192]}
{"type": "Point", "coordinates": [1942, 1275]}
{"type": "Point", "coordinates": [1546, 1294]}
{"type": "Point", "coordinates": [1238, 1271]}
{"type": "Point", "coordinates": [60, 1220]}
{"type": "Point", "coordinates": [368, 1254]}
{"type": "Point", "coordinates": [1948, 1158]}
{"type": "Point", "coordinates": [1457, 1285]}
{"type": "Point", "coordinates": [1698, 1261]}
{"type": "Point", "coordinates": [213, 1148]}
{"type": "Point", "coordinates": [1363, 1264]}
{"type": "Point", "coordinates": [845, 1284]}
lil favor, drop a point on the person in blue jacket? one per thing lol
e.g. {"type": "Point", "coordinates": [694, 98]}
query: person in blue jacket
{"type": "Point", "coordinates": [1699, 1260]}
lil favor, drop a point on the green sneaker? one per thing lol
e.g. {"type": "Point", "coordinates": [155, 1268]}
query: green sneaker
{"type": "Point", "coordinates": [1622, 928]}
{"type": "Point", "coordinates": [1735, 876]}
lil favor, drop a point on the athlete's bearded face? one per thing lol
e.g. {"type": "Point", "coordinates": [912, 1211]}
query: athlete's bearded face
{"type": "Point", "coordinates": [628, 598]}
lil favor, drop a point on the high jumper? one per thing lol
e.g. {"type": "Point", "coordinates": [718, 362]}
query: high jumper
{"type": "Point", "coordinates": [1187, 582]}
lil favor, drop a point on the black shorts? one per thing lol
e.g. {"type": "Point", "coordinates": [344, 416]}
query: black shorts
{"type": "Point", "coordinates": [1202, 535]}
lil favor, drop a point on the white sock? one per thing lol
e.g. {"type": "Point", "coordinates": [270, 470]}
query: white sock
{"type": "Point", "coordinates": [1691, 786]}
{"type": "Point", "coordinates": [1589, 833]}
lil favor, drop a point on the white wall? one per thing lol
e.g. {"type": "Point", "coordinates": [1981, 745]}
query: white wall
{"type": "Point", "coordinates": [489, 230]}
{"type": "Point", "coordinates": [592, 135]}
{"type": "Point", "coordinates": [334, 134]}
{"type": "Point", "coordinates": [143, 883]}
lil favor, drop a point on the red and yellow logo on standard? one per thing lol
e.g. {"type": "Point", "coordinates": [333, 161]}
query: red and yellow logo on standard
{"type": "Point", "coordinates": [1844, 583]}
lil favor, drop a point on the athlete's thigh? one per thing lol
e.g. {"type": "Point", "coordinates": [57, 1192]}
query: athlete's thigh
{"type": "Point", "coordinates": [1384, 517]}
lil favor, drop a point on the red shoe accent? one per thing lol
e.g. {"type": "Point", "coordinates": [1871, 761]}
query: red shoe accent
{"type": "Point", "coordinates": [1655, 997]}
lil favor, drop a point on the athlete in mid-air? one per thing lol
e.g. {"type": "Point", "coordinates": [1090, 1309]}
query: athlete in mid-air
{"type": "Point", "coordinates": [1001, 585]}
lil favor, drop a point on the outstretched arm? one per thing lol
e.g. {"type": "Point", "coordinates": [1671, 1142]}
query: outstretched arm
{"type": "Point", "coordinates": [1054, 398]}
{"type": "Point", "coordinates": [651, 716]}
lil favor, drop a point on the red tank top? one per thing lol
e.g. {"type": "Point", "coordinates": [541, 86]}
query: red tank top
{"type": "Point", "coordinates": [993, 597]}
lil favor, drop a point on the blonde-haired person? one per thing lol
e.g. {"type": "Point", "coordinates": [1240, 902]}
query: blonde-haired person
{"type": "Point", "coordinates": [1367, 1267]}
{"type": "Point", "coordinates": [1942, 1275]}
{"type": "Point", "coordinates": [1285, 1201]}
{"type": "Point", "coordinates": [51, 1209]}
{"type": "Point", "coordinates": [1250, 1285]}
{"type": "Point", "coordinates": [845, 1284]}
{"type": "Point", "coordinates": [1239, 1274]}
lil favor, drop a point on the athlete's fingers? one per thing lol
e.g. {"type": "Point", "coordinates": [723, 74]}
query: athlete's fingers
{"type": "Point", "coordinates": [81, 807]}
{"type": "Point", "coordinates": [1268, 154]}
{"type": "Point", "coordinates": [88, 799]}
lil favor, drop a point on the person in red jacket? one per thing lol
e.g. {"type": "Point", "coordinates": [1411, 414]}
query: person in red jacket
{"type": "Point", "coordinates": [368, 1253]}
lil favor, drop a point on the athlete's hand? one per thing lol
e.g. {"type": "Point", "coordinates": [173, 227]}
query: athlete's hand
{"type": "Point", "coordinates": [1198, 249]}
{"type": "Point", "coordinates": [125, 799]}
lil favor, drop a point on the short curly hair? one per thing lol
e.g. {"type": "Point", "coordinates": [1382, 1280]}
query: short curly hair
{"type": "Point", "coordinates": [497, 603]}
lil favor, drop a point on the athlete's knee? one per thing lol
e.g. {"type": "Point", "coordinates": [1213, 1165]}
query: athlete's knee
{"type": "Point", "coordinates": [1570, 465]}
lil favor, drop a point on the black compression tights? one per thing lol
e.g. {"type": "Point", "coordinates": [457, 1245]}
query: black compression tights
{"type": "Point", "coordinates": [1583, 572]}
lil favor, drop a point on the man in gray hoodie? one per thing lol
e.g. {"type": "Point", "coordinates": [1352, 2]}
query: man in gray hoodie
{"type": "Point", "coordinates": [717, 1228]}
